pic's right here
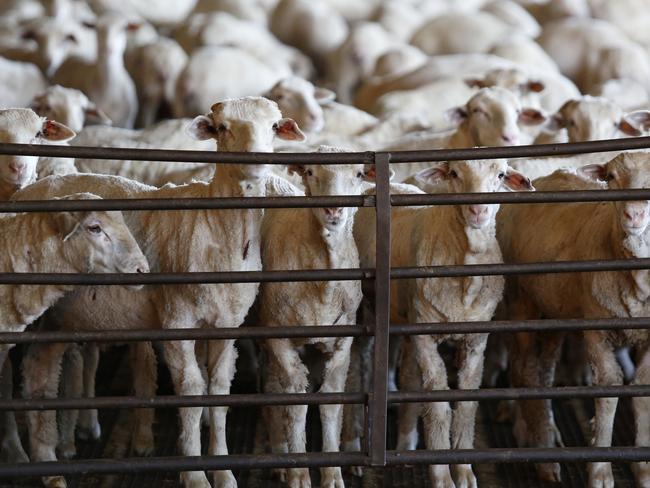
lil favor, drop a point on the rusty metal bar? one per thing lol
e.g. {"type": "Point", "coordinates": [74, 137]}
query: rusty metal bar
{"type": "Point", "coordinates": [315, 460]}
{"type": "Point", "coordinates": [165, 155]}
{"type": "Point", "coordinates": [378, 407]}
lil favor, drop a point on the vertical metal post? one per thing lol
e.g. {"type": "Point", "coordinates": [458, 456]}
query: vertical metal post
{"type": "Point", "coordinates": [379, 397]}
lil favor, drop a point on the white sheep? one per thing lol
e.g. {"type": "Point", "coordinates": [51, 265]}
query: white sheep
{"type": "Point", "coordinates": [224, 240]}
{"type": "Point", "coordinates": [19, 83]}
{"type": "Point", "coordinates": [523, 50]}
{"type": "Point", "coordinates": [106, 82]}
{"type": "Point", "coordinates": [23, 126]}
{"type": "Point", "coordinates": [489, 118]}
{"type": "Point", "coordinates": [254, 10]}
{"type": "Point", "coordinates": [442, 236]}
{"type": "Point", "coordinates": [58, 242]}
{"type": "Point", "coordinates": [313, 26]}
{"type": "Point", "coordinates": [580, 231]}
{"type": "Point", "coordinates": [310, 239]}
{"type": "Point", "coordinates": [158, 12]}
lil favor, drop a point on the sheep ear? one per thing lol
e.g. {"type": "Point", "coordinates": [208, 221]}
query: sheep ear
{"type": "Point", "coordinates": [288, 130]}
{"type": "Point", "coordinates": [635, 123]}
{"type": "Point", "coordinates": [433, 174]}
{"type": "Point", "coordinates": [323, 95]}
{"type": "Point", "coordinates": [475, 82]}
{"type": "Point", "coordinates": [456, 115]}
{"type": "Point", "coordinates": [298, 169]}
{"type": "Point", "coordinates": [555, 123]}
{"type": "Point", "coordinates": [66, 224]}
{"type": "Point", "coordinates": [533, 86]}
{"type": "Point", "coordinates": [370, 172]}
{"type": "Point", "coordinates": [96, 115]}
{"type": "Point", "coordinates": [56, 131]}
{"type": "Point", "coordinates": [531, 116]}
{"type": "Point", "coordinates": [594, 171]}
{"type": "Point", "coordinates": [516, 181]}
{"type": "Point", "coordinates": [201, 128]}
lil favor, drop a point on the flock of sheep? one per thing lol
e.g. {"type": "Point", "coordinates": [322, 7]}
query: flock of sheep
{"type": "Point", "coordinates": [407, 74]}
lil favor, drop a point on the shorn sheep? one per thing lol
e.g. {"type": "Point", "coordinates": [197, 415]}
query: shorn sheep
{"type": "Point", "coordinates": [60, 242]}
{"type": "Point", "coordinates": [223, 240]}
{"type": "Point", "coordinates": [310, 239]}
{"type": "Point", "coordinates": [581, 231]}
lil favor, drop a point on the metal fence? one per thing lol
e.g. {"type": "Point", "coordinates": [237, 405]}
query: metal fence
{"type": "Point", "coordinates": [378, 399]}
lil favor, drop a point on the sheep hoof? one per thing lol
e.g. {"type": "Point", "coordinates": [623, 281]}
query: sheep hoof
{"type": "Point", "coordinates": [642, 474]}
{"type": "Point", "coordinates": [67, 450]}
{"type": "Point", "coordinates": [357, 471]}
{"type": "Point", "coordinates": [299, 478]}
{"type": "Point", "coordinates": [194, 479]}
{"type": "Point", "coordinates": [331, 478]}
{"type": "Point", "coordinates": [91, 432]}
{"type": "Point", "coordinates": [12, 451]}
{"type": "Point", "coordinates": [143, 444]}
{"type": "Point", "coordinates": [441, 477]}
{"type": "Point", "coordinates": [224, 479]}
{"type": "Point", "coordinates": [464, 476]}
{"type": "Point", "coordinates": [549, 472]}
{"type": "Point", "coordinates": [54, 482]}
{"type": "Point", "coordinates": [600, 475]}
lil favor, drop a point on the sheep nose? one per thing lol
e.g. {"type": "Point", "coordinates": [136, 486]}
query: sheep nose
{"type": "Point", "coordinates": [509, 138]}
{"type": "Point", "coordinates": [478, 210]}
{"type": "Point", "coordinates": [17, 168]}
{"type": "Point", "coordinates": [333, 212]}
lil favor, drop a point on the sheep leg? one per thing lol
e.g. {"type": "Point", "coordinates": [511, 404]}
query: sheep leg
{"type": "Point", "coordinates": [436, 415]}
{"type": "Point", "coordinates": [334, 378]}
{"type": "Point", "coordinates": [353, 414]}
{"type": "Point", "coordinates": [187, 380]}
{"type": "Point", "coordinates": [551, 352]}
{"type": "Point", "coordinates": [470, 374]}
{"type": "Point", "coordinates": [606, 372]}
{"type": "Point", "coordinates": [293, 378]}
{"type": "Point", "coordinates": [274, 418]}
{"type": "Point", "coordinates": [641, 407]}
{"type": "Point", "coordinates": [221, 370]}
{"type": "Point", "coordinates": [71, 387]}
{"type": "Point", "coordinates": [408, 413]}
{"type": "Point", "coordinates": [41, 370]}
{"type": "Point", "coordinates": [11, 449]}
{"type": "Point", "coordinates": [145, 382]}
{"type": "Point", "coordinates": [89, 428]}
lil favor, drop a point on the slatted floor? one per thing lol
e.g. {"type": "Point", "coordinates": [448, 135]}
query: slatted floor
{"type": "Point", "coordinates": [246, 435]}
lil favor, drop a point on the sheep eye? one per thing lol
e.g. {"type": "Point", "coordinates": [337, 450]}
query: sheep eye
{"type": "Point", "coordinates": [221, 128]}
{"type": "Point", "coordinates": [359, 174]}
{"type": "Point", "coordinates": [95, 229]}
{"type": "Point", "coordinates": [453, 174]}
{"type": "Point", "coordinates": [275, 126]}
{"type": "Point", "coordinates": [610, 177]}
{"type": "Point", "coordinates": [310, 172]}
{"type": "Point", "coordinates": [502, 175]}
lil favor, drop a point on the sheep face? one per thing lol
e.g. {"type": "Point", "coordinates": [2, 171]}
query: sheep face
{"type": "Point", "coordinates": [493, 115]}
{"type": "Point", "coordinates": [99, 242]}
{"type": "Point", "coordinates": [68, 106]}
{"type": "Point", "coordinates": [476, 177]}
{"type": "Point", "coordinates": [627, 170]}
{"type": "Point", "coordinates": [300, 100]}
{"type": "Point", "coordinates": [23, 126]}
{"type": "Point", "coordinates": [346, 179]}
{"type": "Point", "coordinates": [247, 124]}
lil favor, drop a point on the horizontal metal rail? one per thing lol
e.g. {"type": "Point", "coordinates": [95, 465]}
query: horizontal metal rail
{"type": "Point", "coordinates": [166, 155]}
{"type": "Point", "coordinates": [140, 204]}
{"type": "Point", "coordinates": [308, 331]}
{"type": "Point", "coordinates": [316, 460]}
{"type": "Point", "coordinates": [258, 399]}
{"type": "Point", "coordinates": [346, 274]}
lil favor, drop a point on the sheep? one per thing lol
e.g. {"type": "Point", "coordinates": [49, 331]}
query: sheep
{"type": "Point", "coordinates": [551, 10]}
{"type": "Point", "coordinates": [168, 134]}
{"type": "Point", "coordinates": [312, 26]}
{"type": "Point", "coordinates": [197, 86]}
{"type": "Point", "coordinates": [514, 15]}
{"type": "Point", "coordinates": [489, 118]}
{"type": "Point", "coordinates": [523, 50]}
{"type": "Point", "coordinates": [455, 33]}
{"type": "Point", "coordinates": [444, 235]}
{"type": "Point", "coordinates": [107, 83]}
{"type": "Point", "coordinates": [252, 10]}
{"type": "Point", "coordinates": [310, 238]}
{"type": "Point", "coordinates": [223, 29]}
{"type": "Point", "coordinates": [599, 52]}
{"type": "Point", "coordinates": [59, 242]}
{"type": "Point", "coordinates": [580, 231]}
{"type": "Point", "coordinates": [220, 240]}
{"type": "Point", "coordinates": [626, 93]}
{"type": "Point", "coordinates": [155, 68]}
{"type": "Point", "coordinates": [19, 83]}
{"type": "Point", "coordinates": [23, 126]}
{"type": "Point", "coordinates": [158, 12]}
